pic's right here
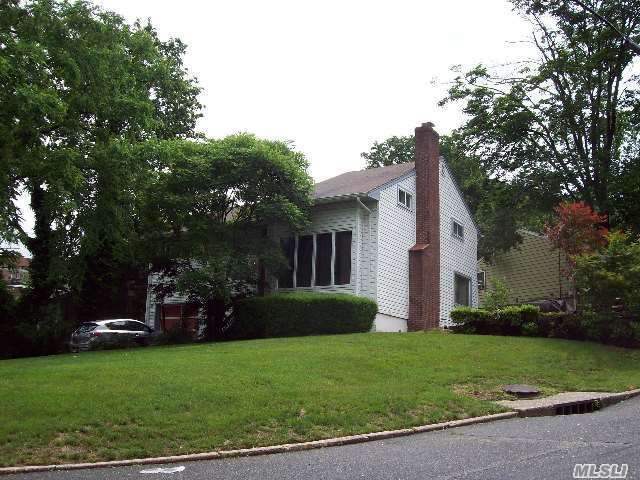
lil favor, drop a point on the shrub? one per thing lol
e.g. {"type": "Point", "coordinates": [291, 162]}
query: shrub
{"type": "Point", "coordinates": [471, 320]}
{"type": "Point", "coordinates": [505, 321]}
{"type": "Point", "coordinates": [562, 325]}
{"type": "Point", "coordinates": [611, 276]}
{"type": "Point", "coordinates": [497, 296]}
{"type": "Point", "coordinates": [175, 336]}
{"type": "Point", "coordinates": [510, 319]}
{"type": "Point", "coordinates": [299, 314]}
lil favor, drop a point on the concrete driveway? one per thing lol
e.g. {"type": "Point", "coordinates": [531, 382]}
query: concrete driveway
{"type": "Point", "coordinates": [529, 448]}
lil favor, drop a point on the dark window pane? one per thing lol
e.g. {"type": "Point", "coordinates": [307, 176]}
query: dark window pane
{"type": "Point", "coordinates": [342, 267]}
{"type": "Point", "coordinates": [285, 279]}
{"type": "Point", "coordinates": [323, 259]}
{"type": "Point", "coordinates": [481, 280]}
{"type": "Point", "coordinates": [458, 230]}
{"type": "Point", "coordinates": [305, 255]}
{"type": "Point", "coordinates": [117, 325]}
{"type": "Point", "coordinates": [135, 326]}
{"type": "Point", "coordinates": [86, 327]}
{"type": "Point", "coordinates": [462, 290]}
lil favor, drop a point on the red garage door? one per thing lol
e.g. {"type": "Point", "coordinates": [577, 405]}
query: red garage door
{"type": "Point", "coordinates": [179, 315]}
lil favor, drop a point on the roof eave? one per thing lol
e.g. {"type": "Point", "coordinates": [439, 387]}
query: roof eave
{"type": "Point", "coordinates": [338, 198]}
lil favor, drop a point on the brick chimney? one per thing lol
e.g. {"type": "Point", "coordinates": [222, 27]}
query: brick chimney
{"type": "Point", "coordinates": [424, 256]}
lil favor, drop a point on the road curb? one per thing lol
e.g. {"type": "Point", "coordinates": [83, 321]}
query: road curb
{"type": "Point", "coordinates": [546, 406]}
{"type": "Point", "coordinates": [250, 452]}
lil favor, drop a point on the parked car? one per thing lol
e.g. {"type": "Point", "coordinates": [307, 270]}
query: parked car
{"type": "Point", "coordinates": [110, 333]}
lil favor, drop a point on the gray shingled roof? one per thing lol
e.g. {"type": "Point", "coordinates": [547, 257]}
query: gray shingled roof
{"type": "Point", "coordinates": [360, 182]}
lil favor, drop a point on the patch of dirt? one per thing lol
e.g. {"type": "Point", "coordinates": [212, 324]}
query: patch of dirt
{"type": "Point", "coordinates": [479, 392]}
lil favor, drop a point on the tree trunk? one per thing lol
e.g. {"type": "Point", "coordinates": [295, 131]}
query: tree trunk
{"type": "Point", "coordinates": [215, 319]}
{"type": "Point", "coordinates": [42, 248]}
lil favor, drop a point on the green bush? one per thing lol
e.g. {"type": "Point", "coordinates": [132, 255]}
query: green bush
{"type": "Point", "coordinates": [511, 319]}
{"type": "Point", "coordinates": [175, 336]}
{"type": "Point", "coordinates": [299, 314]}
{"type": "Point", "coordinates": [471, 320]}
{"type": "Point", "coordinates": [610, 276]}
{"type": "Point", "coordinates": [497, 296]}
{"type": "Point", "coordinates": [504, 321]}
{"type": "Point", "coordinates": [527, 320]}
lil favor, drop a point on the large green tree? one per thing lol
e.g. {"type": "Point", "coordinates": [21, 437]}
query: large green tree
{"type": "Point", "coordinates": [563, 119]}
{"type": "Point", "coordinates": [208, 207]}
{"type": "Point", "coordinates": [78, 86]}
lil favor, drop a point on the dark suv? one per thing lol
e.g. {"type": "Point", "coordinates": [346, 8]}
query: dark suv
{"type": "Point", "coordinates": [105, 333]}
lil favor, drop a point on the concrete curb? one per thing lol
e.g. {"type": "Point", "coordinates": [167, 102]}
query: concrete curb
{"type": "Point", "coordinates": [547, 406]}
{"type": "Point", "coordinates": [250, 452]}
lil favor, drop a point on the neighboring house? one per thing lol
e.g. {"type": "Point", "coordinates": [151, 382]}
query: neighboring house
{"type": "Point", "coordinates": [16, 276]}
{"type": "Point", "coordinates": [400, 235]}
{"type": "Point", "coordinates": [532, 271]}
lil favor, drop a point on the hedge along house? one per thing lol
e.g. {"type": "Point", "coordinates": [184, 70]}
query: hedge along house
{"type": "Point", "coordinates": [400, 235]}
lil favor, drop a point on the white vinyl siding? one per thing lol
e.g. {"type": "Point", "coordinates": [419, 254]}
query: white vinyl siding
{"type": "Point", "coordinates": [457, 255]}
{"type": "Point", "coordinates": [152, 301]}
{"type": "Point", "coordinates": [396, 235]}
{"type": "Point", "coordinates": [346, 216]}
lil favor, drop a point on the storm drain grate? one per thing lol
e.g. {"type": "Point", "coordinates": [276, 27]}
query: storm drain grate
{"type": "Point", "coordinates": [578, 407]}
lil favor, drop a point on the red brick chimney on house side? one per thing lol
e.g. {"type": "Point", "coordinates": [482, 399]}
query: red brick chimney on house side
{"type": "Point", "coordinates": [424, 256]}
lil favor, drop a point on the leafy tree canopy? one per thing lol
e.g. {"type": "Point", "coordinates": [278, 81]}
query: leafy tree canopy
{"type": "Point", "coordinates": [79, 84]}
{"type": "Point", "coordinates": [207, 209]}
{"type": "Point", "coordinates": [562, 121]}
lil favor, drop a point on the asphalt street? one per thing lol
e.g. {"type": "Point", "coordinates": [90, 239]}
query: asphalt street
{"type": "Point", "coordinates": [520, 448]}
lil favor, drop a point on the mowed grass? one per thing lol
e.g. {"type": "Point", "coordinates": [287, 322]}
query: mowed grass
{"type": "Point", "coordinates": [175, 400]}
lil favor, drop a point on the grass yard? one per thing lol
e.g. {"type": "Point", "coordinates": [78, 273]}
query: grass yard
{"type": "Point", "coordinates": [174, 400]}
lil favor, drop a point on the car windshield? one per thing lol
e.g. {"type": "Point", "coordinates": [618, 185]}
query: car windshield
{"type": "Point", "coordinates": [86, 327]}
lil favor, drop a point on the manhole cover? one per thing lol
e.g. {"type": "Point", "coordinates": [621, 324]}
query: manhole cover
{"type": "Point", "coordinates": [521, 390]}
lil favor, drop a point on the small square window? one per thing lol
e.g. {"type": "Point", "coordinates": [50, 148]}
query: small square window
{"type": "Point", "coordinates": [405, 199]}
{"type": "Point", "coordinates": [458, 230]}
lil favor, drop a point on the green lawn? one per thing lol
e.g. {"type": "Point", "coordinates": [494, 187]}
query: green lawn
{"type": "Point", "coordinates": [174, 400]}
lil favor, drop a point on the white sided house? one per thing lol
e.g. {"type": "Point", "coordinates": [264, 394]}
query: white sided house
{"type": "Point", "coordinates": [400, 235]}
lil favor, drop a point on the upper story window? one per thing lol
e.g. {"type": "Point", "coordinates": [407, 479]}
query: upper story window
{"type": "Point", "coordinates": [405, 199]}
{"type": "Point", "coordinates": [457, 230]}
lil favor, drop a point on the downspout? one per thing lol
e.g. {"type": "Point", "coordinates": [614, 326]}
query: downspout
{"type": "Point", "coordinates": [363, 206]}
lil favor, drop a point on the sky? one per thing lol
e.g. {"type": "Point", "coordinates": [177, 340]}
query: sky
{"type": "Point", "coordinates": [330, 76]}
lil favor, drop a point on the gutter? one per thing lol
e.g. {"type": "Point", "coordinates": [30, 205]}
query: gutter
{"type": "Point", "coordinates": [364, 206]}
{"type": "Point", "coordinates": [336, 198]}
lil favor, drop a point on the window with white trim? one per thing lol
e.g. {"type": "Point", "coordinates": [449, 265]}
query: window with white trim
{"type": "Point", "coordinates": [461, 290]}
{"type": "Point", "coordinates": [405, 199]}
{"type": "Point", "coordinates": [457, 230]}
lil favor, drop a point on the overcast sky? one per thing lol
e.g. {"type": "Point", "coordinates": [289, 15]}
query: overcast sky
{"type": "Point", "coordinates": [331, 76]}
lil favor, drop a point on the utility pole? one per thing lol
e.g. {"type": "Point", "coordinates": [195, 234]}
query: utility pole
{"type": "Point", "coordinates": [627, 41]}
